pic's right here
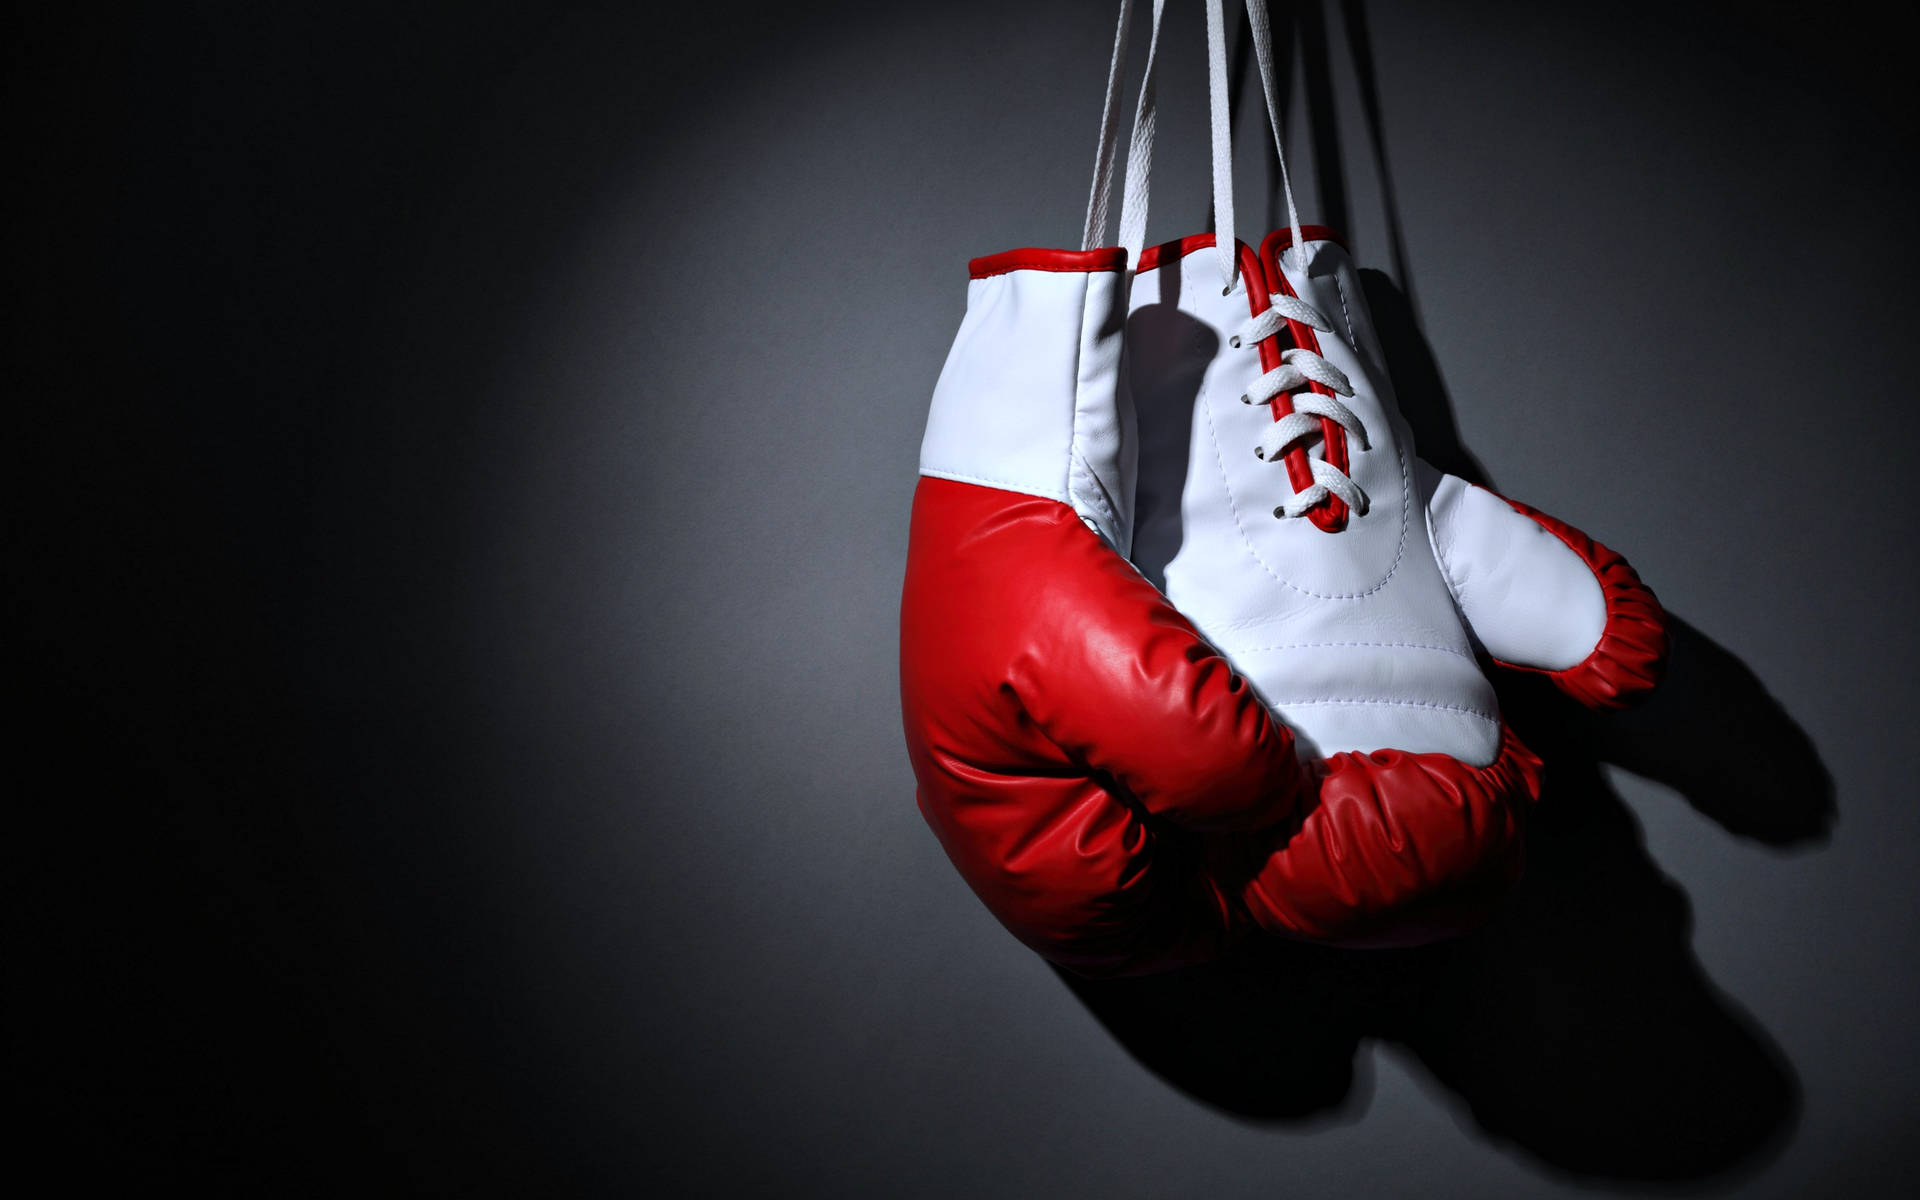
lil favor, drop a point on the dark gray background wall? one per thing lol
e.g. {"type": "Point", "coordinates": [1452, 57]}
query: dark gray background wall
{"type": "Point", "coordinates": [466, 457]}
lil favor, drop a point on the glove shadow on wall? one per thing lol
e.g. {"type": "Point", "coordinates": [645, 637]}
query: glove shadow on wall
{"type": "Point", "coordinates": [1162, 478]}
{"type": "Point", "coordinates": [1578, 1026]}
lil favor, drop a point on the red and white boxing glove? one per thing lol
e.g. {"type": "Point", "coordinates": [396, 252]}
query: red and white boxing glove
{"type": "Point", "coordinates": [1065, 723]}
{"type": "Point", "coordinates": [1353, 585]}
{"type": "Point", "coordinates": [1061, 717]}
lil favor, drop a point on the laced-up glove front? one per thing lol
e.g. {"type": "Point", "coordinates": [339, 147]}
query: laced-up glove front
{"type": "Point", "coordinates": [1282, 507]}
{"type": "Point", "coordinates": [1355, 587]}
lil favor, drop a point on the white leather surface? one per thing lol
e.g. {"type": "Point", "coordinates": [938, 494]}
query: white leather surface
{"type": "Point", "coordinates": [1032, 397]}
{"type": "Point", "coordinates": [1528, 598]}
{"type": "Point", "coordinates": [1352, 638]}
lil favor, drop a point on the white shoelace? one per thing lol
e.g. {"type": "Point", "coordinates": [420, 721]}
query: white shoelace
{"type": "Point", "coordinates": [1299, 367]}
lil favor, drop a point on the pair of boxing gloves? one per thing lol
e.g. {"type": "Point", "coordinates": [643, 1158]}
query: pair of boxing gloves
{"type": "Point", "coordinates": [1193, 645]}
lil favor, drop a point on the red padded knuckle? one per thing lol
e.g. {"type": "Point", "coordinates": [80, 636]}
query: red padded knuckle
{"type": "Point", "coordinates": [1053, 702]}
{"type": "Point", "coordinates": [1395, 849]}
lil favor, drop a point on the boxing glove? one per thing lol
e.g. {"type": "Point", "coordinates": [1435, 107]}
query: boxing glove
{"type": "Point", "coordinates": [1357, 589]}
{"type": "Point", "coordinates": [1064, 722]}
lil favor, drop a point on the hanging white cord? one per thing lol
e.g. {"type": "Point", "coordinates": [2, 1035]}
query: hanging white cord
{"type": "Point", "coordinates": [1224, 244]}
{"type": "Point", "coordinates": [1217, 87]}
{"type": "Point", "coordinates": [1263, 50]}
{"type": "Point", "coordinates": [1133, 206]}
{"type": "Point", "coordinates": [1102, 191]}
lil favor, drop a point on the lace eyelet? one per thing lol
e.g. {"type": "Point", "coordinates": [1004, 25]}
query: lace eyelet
{"type": "Point", "coordinates": [1280, 514]}
{"type": "Point", "coordinates": [1260, 454]}
{"type": "Point", "coordinates": [1234, 341]}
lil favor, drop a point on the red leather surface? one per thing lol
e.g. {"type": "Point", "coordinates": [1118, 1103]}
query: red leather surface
{"type": "Point", "coordinates": [1392, 849]}
{"type": "Point", "coordinates": [1065, 723]}
{"type": "Point", "coordinates": [1109, 258]}
{"type": "Point", "coordinates": [1179, 248]}
{"type": "Point", "coordinates": [1631, 655]}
